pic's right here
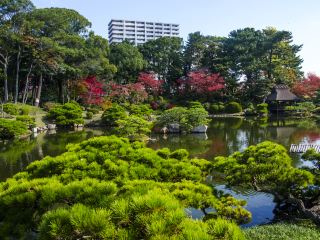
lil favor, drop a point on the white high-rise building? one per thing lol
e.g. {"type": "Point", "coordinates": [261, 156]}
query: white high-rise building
{"type": "Point", "coordinates": [140, 32]}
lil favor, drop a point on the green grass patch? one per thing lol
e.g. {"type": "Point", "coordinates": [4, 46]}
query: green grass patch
{"type": "Point", "coordinates": [284, 231]}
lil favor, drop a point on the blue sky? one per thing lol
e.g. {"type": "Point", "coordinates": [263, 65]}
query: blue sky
{"type": "Point", "coordinates": [211, 17]}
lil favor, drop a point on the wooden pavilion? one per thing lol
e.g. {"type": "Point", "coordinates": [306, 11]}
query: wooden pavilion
{"type": "Point", "coordinates": [280, 97]}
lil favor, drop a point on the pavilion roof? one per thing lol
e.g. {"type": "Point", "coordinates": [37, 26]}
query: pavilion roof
{"type": "Point", "coordinates": [281, 93]}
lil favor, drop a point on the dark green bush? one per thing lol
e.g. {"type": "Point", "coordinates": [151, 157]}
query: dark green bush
{"type": "Point", "coordinates": [262, 109]}
{"type": "Point", "coordinates": [302, 108]}
{"type": "Point", "coordinates": [206, 106]}
{"type": "Point", "coordinates": [250, 110]}
{"type": "Point", "coordinates": [214, 108]}
{"type": "Point", "coordinates": [47, 106]}
{"type": "Point", "coordinates": [67, 114]}
{"type": "Point", "coordinates": [89, 115]}
{"type": "Point", "coordinates": [29, 121]}
{"type": "Point", "coordinates": [94, 110]}
{"type": "Point", "coordinates": [10, 129]}
{"type": "Point", "coordinates": [114, 113]}
{"type": "Point", "coordinates": [233, 107]}
{"type": "Point", "coordinates": [11, 108]}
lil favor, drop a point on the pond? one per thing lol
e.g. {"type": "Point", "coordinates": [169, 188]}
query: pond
{"type": "Point", "coordinates": [224, 136]}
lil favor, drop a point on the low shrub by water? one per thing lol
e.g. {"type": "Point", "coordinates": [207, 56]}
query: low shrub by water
{"type": "Point", "coordinates": [233, 107]}
{"type": "Point", "coordinates": [10, 129]}
{"type": "Point", "coordinates": [67, 114]}
{"type": "Point", "coordinates": [111, 188]}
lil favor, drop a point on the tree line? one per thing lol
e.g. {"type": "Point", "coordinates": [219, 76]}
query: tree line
{"type": "Point", "coordinates": [47, 53]}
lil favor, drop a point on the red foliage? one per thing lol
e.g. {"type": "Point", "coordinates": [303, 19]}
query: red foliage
{"type": "Point", "coordinates": [308, 87]}
{"type": "Point", "coordinates": [132, 92]}
{"type": "Point", "coordinates": [151, 84]}
{"type": "Point", "coordinates": [93, 91]}
{"type": "Point", "coordinates": [201, 82]}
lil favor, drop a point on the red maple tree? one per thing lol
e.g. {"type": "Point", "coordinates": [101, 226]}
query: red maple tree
{"type": "Point", "coordinates": [308, 87]}
{"type": "Point", "coordinates": [93, 91]}
{"type": "Point", "coordinates": [132, 92]}
{"type": "Point", "coordinates": [201, 82]}
{"type": "Point", "coordinates": [150, 83]}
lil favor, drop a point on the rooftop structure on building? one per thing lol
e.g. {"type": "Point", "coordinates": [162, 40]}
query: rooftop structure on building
{"type": "Point", "coordinates": [139, 32]}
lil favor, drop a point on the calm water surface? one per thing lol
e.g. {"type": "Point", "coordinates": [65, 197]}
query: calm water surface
{"type": "Point", "coordinates": [224, 136]}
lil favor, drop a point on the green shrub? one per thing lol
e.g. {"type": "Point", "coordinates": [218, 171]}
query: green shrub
{"type": "Point", "coordinates": [47, 106]}
{"type": "Point", "coordinates": [140, 110]}
{"type": "Point", "coordinates": [262, 109]}
{"type": "Point", "coordinates": [180, 154]}
{"type": "Point", "coordinates": [216, 108]}
{"type": "Point", "coordinates": [110, 188]}
{"type": "Point", "coordinates": [94, 110]}
{"type": "Point", "coordinates": [112, 114]}
{"type": "Point", "coordinates": [10, 129]}
{"type": "Point", "coordinates": [67, 114]}
{"type": "Point", "coordinates": [89, 115]}
{"type": "Point", "coordinates": [195, 104]}
{"type": "Point", "coordinates": [250, 110]}
{"type": "Point", "coordinates": [186, 118]}
{"type": "Point", "coordinates": [233, 107]}
{"type": "Point", "coordinates": [164, 153]}
{"type": "Point", "coordinates": [303, 108]}
{"type": "Point", "coordinates": [24, 110]}
{"type": "Point", "coordinates": [206, 106]}
{"type": "Point", "coordinates": [11, 108]}
{"type": "Point", "coordinates": [133, 127]}
{"type": "Point", "coordinates": [29, 121]}
{"type": "Point", "coordinates": [197, 117]}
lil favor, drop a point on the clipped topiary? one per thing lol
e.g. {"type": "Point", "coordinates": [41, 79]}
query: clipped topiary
{"type": "Point", "coordinates": [262, 109]}
{"type": "Point", "coordinates": [233, 107]}
{"type": "Point", "coordinates": [67, 114]}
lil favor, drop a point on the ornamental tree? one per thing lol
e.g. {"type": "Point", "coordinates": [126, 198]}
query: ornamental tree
{"type": "Point", "coordinates": [67, 114]}
{"type": "Point", "coordinates": [308, 87]}
{"type": "Point", "coordinates": [267, 167]}
{"type": "Point", "coordinates": [132, 92]}
{"type": "Point", "coordinates": [201, 82]}
{"type": "Point", "coordinates": [151, 84]}
{"type": "Point", "coordinates": [110, 188]}
{"type": "Point", "coordinates": [133, 127]}
{"type": "Point", "coordinates": [92, 91]}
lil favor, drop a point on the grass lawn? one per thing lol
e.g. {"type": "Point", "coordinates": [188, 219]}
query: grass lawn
{"type": "Point", "coordinates": [284, 231]}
